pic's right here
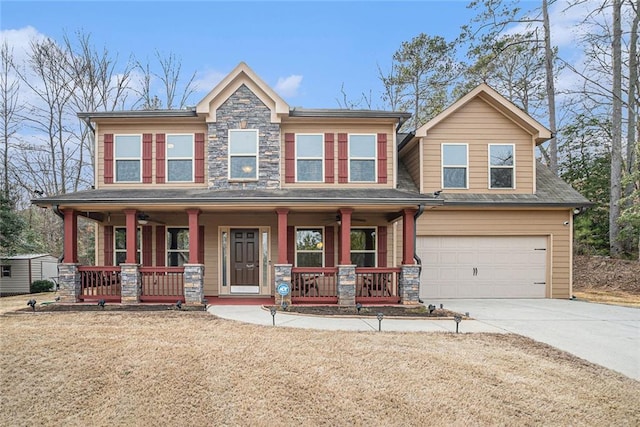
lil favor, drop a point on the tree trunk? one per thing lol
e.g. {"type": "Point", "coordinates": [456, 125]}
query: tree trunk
{"type": "Point", "coordinates": [615, 245]}
{"type": "Point", "coordinates": [550, 88]}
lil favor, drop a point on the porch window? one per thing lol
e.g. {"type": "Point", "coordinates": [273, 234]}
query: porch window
{"type": "Point", "coordinates": [128, 149]}
{"type": "Point", "coordinates": [177, 247]}
{"type": "Point", "coordinates": [120, 240]}
{"type": "Point", "coordinates": [309, 158]}
{"type": "Point", "coordinates": [243, 154]}
{"type": "Point", "coordinates": [454, 165]}
{"type": "Point", "coordinates": [362, 158]}
{"type": "Point", "coordinates": [180, 158]}
{"type": "Point", "coordinates": [6, 271]}
{"type": "Point", "coordinates": [309, 247]}
{"type": "Point", "coordinates": [363, 247]}
{"type": "Point", "coordinates": [501, 166]}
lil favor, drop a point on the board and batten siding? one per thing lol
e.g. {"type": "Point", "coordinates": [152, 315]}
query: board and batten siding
{"type": "Point", "coordinates": [335, 129]}
{"type": "Point", "coordinates": [479, 124]}
{"type": "Point", "coordinates": [140, 129]}
{"type": "Point", "coordinates": [550, 223]}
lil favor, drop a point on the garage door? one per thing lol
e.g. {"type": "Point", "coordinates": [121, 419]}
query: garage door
{"type": "Point", "coordinates": [483, 267]}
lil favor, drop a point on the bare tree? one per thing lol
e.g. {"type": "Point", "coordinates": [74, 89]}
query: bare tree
{"type": "Point", "coordinates": [11, 109]}
{"type": "Point", "coordinates": [615, 244]}
{"type": "Point", "coordinates": [170, 76]}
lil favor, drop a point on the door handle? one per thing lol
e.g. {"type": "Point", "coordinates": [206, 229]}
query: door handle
{"type": "Point", "coordinates": [475, 271]}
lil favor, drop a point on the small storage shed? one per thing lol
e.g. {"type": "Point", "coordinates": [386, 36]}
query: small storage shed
{"type": "Point", "coordinates": [19, 271]}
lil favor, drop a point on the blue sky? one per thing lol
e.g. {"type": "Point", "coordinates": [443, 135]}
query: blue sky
{"type": "Point", "coordinates": [310, 47]}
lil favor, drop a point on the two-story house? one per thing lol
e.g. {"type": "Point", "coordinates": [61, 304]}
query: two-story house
{"type": "Point", "coordinates": [243, 194]}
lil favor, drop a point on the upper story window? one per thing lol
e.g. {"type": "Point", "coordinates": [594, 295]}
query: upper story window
{"type": "Point", "coordinates": [309, 247]}
{"type": "Point", "coordinates": [6, 271]}
{"type": "Point", "coordinates": [501, 166]}
{"type": "Point", "coordinates": [363, 246]}
{"type": "Point", "coordinates": [362, 158]}
{"type": "Point", "coordinates": [128, 158]}
{"type": "Point", "coordinates": [120, 240]}
{"type": "Point", "coordinates": [180, 158]}
{"type": "Point", "coordinates": [243, 154]}
{"type": "Point", "coordinates": [455, 163]}
{"type": "Point", "coordinates": [309, 158]}
{"type": "Point", "coordinates": [177, 246]}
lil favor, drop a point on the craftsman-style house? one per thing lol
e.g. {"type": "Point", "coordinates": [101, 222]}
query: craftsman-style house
{"type": "Point", "coordinates": [243, 194]}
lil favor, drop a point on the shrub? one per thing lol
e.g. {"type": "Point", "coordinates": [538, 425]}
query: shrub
{"type": "Point", "coordinates": [41, 286]}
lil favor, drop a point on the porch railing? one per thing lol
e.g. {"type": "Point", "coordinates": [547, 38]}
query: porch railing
{"type": "Point", "coordinates": [99, 283]}
{"type": "Point", "coordinates": [162, 284]}
{"type": "Point", "coordinates": [314, 285]}
{"type": "Point", "coordinates": [377, 284]}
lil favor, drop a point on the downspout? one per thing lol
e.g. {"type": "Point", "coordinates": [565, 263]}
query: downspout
{"type": "Point", "coordinates": [415, 240]}
{"type": "Point", "coordinates": [56, 210]}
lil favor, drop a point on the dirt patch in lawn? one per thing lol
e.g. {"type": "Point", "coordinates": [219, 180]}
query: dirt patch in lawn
{"type": "Point", "coordinates": [191, 368]}
{"type": "Point", "coordinates": [606, 280]}
{"type": "Point", "coordinates": [371, 311]}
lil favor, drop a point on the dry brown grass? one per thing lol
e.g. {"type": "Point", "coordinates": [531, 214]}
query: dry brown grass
{"type": "Point", "coordinates": [190, 368]}
{"type": "Point", "coordinates": [625, 299]}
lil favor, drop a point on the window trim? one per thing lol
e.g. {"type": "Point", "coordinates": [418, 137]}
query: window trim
{"type": "Point", "coordinates": [5, 268]}
{"type": "Point", "coordinates": [295, 243]}
{"type": "Point", "coordinates": [116, 158]}
{"type": "Point", "coordinates": [116, 250]}
{"type": "Point", "coordinates": [256, 155]}
{"type": "Point", "coordinates": [366, 251]}
{"type": "Point", "coordinates": [442, 166]}
{"type": "Point", "coordinates": [375, 157]}
{"type": "Point", "coordinates": [166, 243]}
{"type": "Point", "coordinates": [192, 158]}
{"type": "Point", "coordinates": [512, 167]}
{"type": "Point", "coordinates": [321, 158]}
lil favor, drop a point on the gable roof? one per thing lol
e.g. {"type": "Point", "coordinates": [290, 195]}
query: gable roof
{"type": "Point", "coordinates": [501, 104]}
{"type": "Point", "coordinates": [240, 75]}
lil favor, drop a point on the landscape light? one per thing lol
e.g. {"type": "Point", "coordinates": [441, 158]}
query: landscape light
{"type": "Point", "coordinates": [32, 304]}
{"type": "Point", "coordinates": [380, 316]}
{"type": "Point", "coordinates": [358, 307]}
{"type": "Point", "coordinates": [285, 305]}
{"type": "Point", "coordinates": [273, 315]}
{"type": "Point", "coordinates": [457, 318]}
{"type": "Point", "coordinates": [179, 305]}
{"type": "Point", "coordinates": [101, 303]}
{"type": "Point", "coordinates": [431, 308]}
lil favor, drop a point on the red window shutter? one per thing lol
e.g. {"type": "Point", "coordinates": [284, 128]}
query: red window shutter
{"type": "Point", "coordinates": [108, 245]}
{"type": "Point", "coordinates": [147, 140]}
{"type": "Point", "coordinates": [343, 158]}
{"type": "Point", "coordinates": [201, 244]}
{"type": "Point", "coordinates": [382, 246]}
{"type": "Point", "coordinates": [108, 158]}
{"type": "Point", "coordinates": [289, 158]}
{"type": "Point", "coordinates": [291, 245]}
{"type": "Point", "coordinates": [160, 156]}
{"type": "Point", "coordinates": [160, 245]}
{"type": "Point", "coordinates": [382, 158]}
{"type": "Point", "coordinates": [329, 247]}
{"type": "Point", "coordinates": [199, 158]}
{"type": "Point", "coordinates": [328, 158]}
{"type": "Point", "coordinates": [147, 239]}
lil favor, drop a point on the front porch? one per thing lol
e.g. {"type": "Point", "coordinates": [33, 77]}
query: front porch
{"type": "Point", "coordinates": [139, 259]}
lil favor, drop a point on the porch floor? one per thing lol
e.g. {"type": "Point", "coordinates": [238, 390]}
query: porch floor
{"type": "Point", "coordinates": [215, 300]}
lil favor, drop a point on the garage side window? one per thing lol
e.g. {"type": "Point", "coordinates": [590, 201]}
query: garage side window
{"type": "Point", "coordinates": [501, 166]}
{"type": "Point", "coordinates": [455, 163]}
{"type": "Point", "coordinates": [6, 271]}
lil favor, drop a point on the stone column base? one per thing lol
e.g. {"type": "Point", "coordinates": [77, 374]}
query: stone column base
{"type": "Point", "coordinates": [347, 285]}
{"type": "Point", "coordinates": [69, 282]}
{"type": "Point", "coordinates": [282, 275]}
{"type": "Point", "coordinates": [194, 284]}
{"type": "Point", "coordinates": [409, 284]}
{"type": "Point", "coordinates": [131, 286]}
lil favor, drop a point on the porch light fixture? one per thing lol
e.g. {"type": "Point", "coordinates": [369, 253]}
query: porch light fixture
{"type": "Point", "coordinates": [457, 318]}
{"type": "Point", "coordinates": [143, 218]}
{"type": "Point", "coordinates": [101, 304]}
{"type": "Point", "coordinates": [32, 303]}
{"type": "Point", "coordinates": [380, 316]}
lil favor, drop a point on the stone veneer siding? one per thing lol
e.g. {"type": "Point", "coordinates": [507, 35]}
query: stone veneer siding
{"type": "Point", "coordinates": [244, 105]}
{"type": "Point", "coordinates": [347, 285]}
{"type": "Point", "coordinates": [131, 286]}
{"type": "Point", "coordinates": [194, 283]}
{"type": "Point", "coordinates": [409, 284]}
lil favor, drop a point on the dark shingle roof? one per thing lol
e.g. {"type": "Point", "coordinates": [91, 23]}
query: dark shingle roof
{"type": "Point", "coordinates": [552, 191]}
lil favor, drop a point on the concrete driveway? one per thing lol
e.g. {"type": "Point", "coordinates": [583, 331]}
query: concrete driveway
{"type": "Point", "coordinates": [604, 334]}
